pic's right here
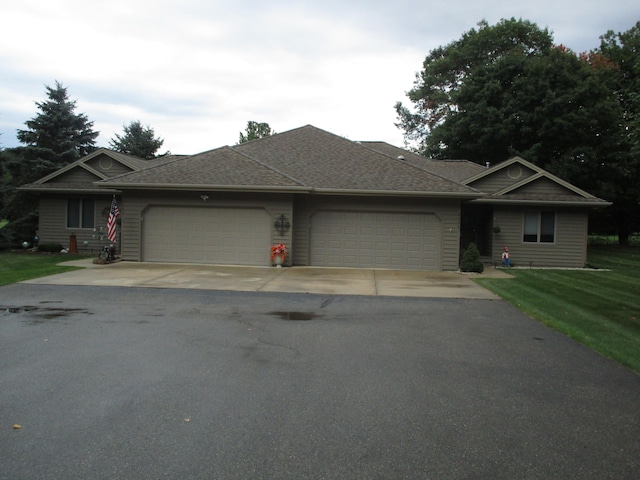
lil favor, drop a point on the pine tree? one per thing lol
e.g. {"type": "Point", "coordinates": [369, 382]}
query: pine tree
{"type": "Point", "coordinates": [55, 137]}
{"type": "Point", "coordinates": [137, 141]}
{"type": "Point", "coordinates": [58, 133]}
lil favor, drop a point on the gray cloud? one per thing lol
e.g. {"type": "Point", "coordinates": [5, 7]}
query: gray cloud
{"type": "Point", "coordinates": [196, 71]}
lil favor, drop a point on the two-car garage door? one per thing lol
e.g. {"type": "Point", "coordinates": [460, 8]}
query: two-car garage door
{"type": "Point", "coordinates": [375, 239]}
{"type": "Point", "coordinates": [242, 236]}
{"type": "Point", "coordinates": [231, 236]}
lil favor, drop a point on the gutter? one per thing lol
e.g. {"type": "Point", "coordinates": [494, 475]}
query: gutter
{"type": "Point", "coordinates": [291, 189]}
{"type": "Point", "coordinates": [589, 203]}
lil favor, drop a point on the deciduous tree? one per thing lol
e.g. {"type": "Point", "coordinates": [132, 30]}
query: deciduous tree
{"type": "Point", "coordinates": [254, 131]}
{"type": "Point", "coordinates": [619, 56]}
{"type": "Point", "coordinates": [506, 90]}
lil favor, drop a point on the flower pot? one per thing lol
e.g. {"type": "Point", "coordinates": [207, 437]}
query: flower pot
{"type": "Point", "coordinates": [278, 260]}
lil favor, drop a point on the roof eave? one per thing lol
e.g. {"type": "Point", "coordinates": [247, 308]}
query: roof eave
{"type": "Point", "coordinates": [588, 203]}
{"type": "Point", "coordinates": [291, 189]}
{"type": "Point", "coordinates": [66, 190]}
{"type": "Point", "coordinates": [201, 187]}
{"type": "Point", "coordinates": [397, 193]}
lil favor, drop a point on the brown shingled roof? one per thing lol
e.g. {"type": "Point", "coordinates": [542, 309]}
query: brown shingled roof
{"type": "Point", "coordinates": [456, 170]}
{"type": "Point", "coordinates": [222, 167]}
{"type": "Point", "coordinates": [305, 158]}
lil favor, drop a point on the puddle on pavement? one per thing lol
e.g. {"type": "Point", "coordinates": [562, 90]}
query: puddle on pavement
{"type": "Point", "coordinates": [296, 316]}
{"type": "Point", "coordinates": [41, 314]}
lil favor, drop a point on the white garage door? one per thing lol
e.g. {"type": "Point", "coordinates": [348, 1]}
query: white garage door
{"type": "Point", "coordinates": [375, 240]}
{"type": "Point", "coordinates": [229, 236]}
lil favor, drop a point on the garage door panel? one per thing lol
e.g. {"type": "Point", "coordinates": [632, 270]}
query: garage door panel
{"type": "Point", "coordinates": [206, 235]}
{"type": "Point", "coordinates": [385, 240]}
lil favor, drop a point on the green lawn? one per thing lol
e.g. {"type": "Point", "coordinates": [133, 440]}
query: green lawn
{"type": "Point", "coordinates": [600, 309]}
{"type": "Point", "coordinates": [16, 267]}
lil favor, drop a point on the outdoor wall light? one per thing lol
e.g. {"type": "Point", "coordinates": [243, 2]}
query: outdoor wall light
{"type": "Point", "coordinates": [282, 224]}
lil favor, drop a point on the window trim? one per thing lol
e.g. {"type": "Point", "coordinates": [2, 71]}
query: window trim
{"type": "Point", "coordinates": [541, 235]}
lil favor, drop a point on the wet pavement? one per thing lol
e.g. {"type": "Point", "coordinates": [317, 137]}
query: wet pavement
{"type": "Point", "coordinates": [127, 382]}
{"type": "Point", "coordinates": [335, 281]}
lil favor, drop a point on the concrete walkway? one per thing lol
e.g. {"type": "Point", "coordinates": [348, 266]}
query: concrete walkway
{"type": "Point", "coordinates": [334, 281]}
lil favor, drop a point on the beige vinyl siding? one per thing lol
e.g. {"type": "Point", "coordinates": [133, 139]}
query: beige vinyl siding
{"type": "Point", "coordinates": [446, 211]}
{"type": "Point", "coordinates": [77, 175]}
{"type": "Point", "coordinates": [502, 178]}
{"type": "Point", "coordinates": [138, 203]}
{"type": "Point", "coordinates": [544, 186]}
{"type": "Point", "coordinates": [52, 226]}
{"type": "Point", "coordinates": [108, 166]}
{"type": "Point", "coordinates": [569, 248]}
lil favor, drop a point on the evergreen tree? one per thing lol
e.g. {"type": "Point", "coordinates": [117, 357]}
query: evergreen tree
{"type": "Point", "coordinates": [137, 141]}
{"type": "Point", "coordinates": [58, 133]}
{"type": "Point", "coordinates": [54, 138]}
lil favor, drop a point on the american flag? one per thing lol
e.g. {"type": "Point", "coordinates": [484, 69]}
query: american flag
{"type": "Point", "coordinates": [111, 222]}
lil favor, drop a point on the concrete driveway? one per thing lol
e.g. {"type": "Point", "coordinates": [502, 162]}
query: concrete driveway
{"type": "Point", "coordinates": [335, 281]}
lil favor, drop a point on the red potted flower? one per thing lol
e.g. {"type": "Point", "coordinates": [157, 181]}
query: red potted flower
{"type": "Point", "coordinates": [278, 254]}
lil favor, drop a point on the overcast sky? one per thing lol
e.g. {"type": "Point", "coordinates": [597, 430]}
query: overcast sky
{"type": "Point", "coordinates": [197, 70]}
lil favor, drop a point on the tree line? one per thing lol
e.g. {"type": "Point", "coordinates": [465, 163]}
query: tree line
{"type": "Point", "coordinates": [506, 89]}
{"type": "Point", "coordinates": [499, 91]}
{"type": "Point", "coordinates": [56, 137]}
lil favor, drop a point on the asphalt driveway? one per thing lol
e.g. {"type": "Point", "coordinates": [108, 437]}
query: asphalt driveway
{"type": "Point", "coordinates": [336, 281]}
{"type": "Point", "coordinates": [128, 382]}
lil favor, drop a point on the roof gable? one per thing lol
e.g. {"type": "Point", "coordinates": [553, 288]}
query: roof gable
{"type": "Point", "coordinates": [94, 163]}
{"type": "Point", "coordinates": [81, 175]}
{"type": "Point", "coordinates": [77, 175]}
{"type": "Point", "coordinates": [491, 180]}
{"type": "Point", "coordinates": [519, 181]}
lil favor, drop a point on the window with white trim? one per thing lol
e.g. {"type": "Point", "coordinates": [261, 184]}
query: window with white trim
{"type": "Point", "coordinates": [80, 213]}
{"type": "Point", "coordinates": [539, 227]}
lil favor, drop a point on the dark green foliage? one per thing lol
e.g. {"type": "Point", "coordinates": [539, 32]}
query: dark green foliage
{"type": "Point", "coordinates": [137, 141]}
{"type": "Point", "coordinates": [619, 59]}
{"type": "Point", "coordinates": [254, 131]}
{"type": "Point", "coordinates": [54, 138]}
{"type": "Point", "coordinates": [471, 260]}
{"type": "Point", "coordinates": [447, 69]}
{"type": "Point", "coordinates": [50, 247]}
{"type": "Point", "coordinates": [57, 133]}
{"type": "Point", "coordinates": [506, 90]}
{"type": "Point", "coordinates": [22, 229]}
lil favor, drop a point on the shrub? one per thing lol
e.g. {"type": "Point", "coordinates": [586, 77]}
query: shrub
{"type": "Point", "coordinates": [471, 260]}
{"type": "Point", "coordinates": [50, 247]}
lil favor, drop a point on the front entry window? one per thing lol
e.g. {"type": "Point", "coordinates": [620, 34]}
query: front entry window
{"type": "Point", "coordinates": [80, 213]}
{"type": "Point", "coordinates": [539, 227]}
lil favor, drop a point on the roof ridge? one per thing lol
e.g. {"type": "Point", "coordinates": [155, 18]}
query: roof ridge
{"type": "Point", "coordinates": [266, 166]}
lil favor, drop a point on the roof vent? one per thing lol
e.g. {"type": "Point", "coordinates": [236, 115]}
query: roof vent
{"type": "Point", "coordinates": [401, 157]}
